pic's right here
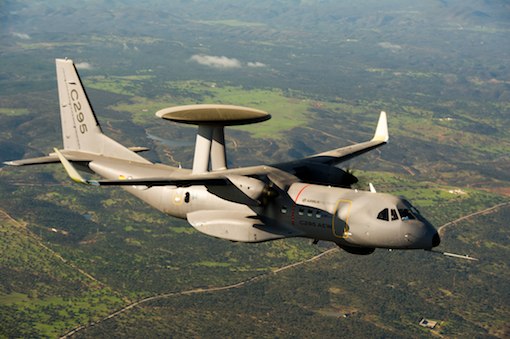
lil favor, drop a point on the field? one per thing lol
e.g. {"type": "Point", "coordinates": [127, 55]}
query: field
{"type": "Point", "coordinates": [92, 262]}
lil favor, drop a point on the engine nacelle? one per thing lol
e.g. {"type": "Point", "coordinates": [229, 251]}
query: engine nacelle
{"type": "Point", "coordinates": [252, 188]}
{"type": "Point", "coordinates": [244, 190]}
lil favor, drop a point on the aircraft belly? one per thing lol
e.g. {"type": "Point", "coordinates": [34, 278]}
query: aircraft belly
{"type": "Point", "coordinates": [315, 230]}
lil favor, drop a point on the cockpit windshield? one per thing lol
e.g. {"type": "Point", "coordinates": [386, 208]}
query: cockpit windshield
{"type": "Point", "coordinates": [388, 214]}
{"type": "Point", "coordinates": [383, 215]}
{"type": "Point", "coordinates": [406, 211]}
{"type": "Point", "coordinates": [405, 214]}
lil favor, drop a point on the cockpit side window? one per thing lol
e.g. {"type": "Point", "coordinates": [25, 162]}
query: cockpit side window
{"type": "Point", "coordinates": [383, 215]}
{"type": "Point", "coordinates": [394, 215]}
{"type": "Point", "coordinates": [405, 214]}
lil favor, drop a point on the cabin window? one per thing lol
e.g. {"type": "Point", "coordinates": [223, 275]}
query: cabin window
{"type": "Point", "coordinates": [383, 215]}
{"type": "Point", "coordinates": [394, 215]}
{"type": "Point", "coordinates": [405, 214]}
{"type": "Point", "coordinates": [186, 197]}
{"type": "Point", "coordinates": [284, 209]}
{"type": "Point", "coordinates": [318, 215]}
{"type": "Point", "coordinates": [301, 211]}
{"type": "Point", "coordinates": [309, 213]}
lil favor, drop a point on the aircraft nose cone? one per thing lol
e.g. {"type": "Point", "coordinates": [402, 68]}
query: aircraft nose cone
{"type": "Point", "coordinates": [421, 235]}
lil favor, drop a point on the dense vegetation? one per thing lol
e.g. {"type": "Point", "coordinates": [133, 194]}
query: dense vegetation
{"type": "Point", "coordinates": [71, 255]}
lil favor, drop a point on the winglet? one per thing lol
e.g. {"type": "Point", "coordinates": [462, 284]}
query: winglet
{"type": "Point", "coordinates": [381, 132]}
{"type": "Point", "coordinates": [71, 171]}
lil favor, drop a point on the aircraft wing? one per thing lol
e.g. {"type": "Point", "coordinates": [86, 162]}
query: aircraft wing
{"type": "Point", "coordinates": [339, 155]}
{"type": "Point", "coordinates": [319, 163]}
{"type": "Point", "coordinates": [52, 158]}
{"type": "Point", "coordinates": [240, 225]}
{"type": "Point", "coordinates": [232, 187]}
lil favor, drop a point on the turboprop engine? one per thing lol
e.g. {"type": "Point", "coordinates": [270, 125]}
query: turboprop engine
{"type": "Point", "coordinates": [244, 190]}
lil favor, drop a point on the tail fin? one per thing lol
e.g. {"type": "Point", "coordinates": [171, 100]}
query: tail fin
{"type": "Point", "coordinates": [80, 128]}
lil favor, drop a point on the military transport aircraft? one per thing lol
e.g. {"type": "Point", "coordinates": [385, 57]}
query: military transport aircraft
{"type": "Point", "coordinates": [310, 197]}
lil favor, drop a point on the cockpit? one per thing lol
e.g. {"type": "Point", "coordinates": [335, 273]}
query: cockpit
{"type": "Point", "coordinates": [417, 231]}
{"type": "Point", "coordinates": [403, 211]}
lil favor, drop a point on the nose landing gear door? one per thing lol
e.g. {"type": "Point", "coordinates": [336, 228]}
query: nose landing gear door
{"type": "Point", "coordinates": [341, 219]}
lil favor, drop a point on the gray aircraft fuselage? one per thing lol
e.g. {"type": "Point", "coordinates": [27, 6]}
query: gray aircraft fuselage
{"type": "Point", "coordinates": [346, 217]}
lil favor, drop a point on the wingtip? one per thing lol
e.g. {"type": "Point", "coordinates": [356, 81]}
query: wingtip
{"type": "Point", "coordinates": [381, 132]}
{"type": "Point", "coordinates": [71, 171]}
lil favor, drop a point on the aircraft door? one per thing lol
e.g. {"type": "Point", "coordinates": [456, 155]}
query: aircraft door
{"type": "Point", "coordinates": [340, 223]}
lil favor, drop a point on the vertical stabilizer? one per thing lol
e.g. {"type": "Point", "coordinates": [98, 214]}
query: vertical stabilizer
{"type": "Point", "coordinates": [80, 128]}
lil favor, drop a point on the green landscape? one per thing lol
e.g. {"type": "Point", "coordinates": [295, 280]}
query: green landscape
{"type": "Point", "coordinates": [79, 261]}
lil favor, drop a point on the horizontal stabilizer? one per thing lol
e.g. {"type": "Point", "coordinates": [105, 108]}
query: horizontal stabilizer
{"type": "Point", "coordinates": [50, 159]}
{"type": "Point", "coordinates": [232, 225]}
